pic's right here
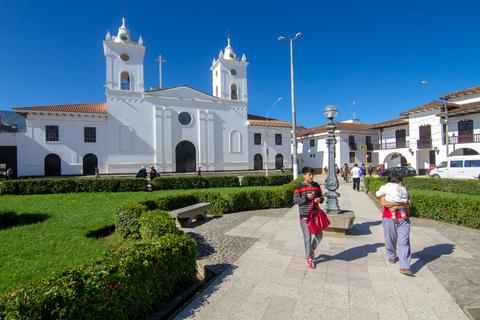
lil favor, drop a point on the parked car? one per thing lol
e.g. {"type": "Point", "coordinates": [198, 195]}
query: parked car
{"type": "Point", "coordinates": [458, 167]}
{"type": "Point", "coordinates": [403, 171]}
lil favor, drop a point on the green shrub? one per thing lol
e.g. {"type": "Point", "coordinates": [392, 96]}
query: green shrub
{"type": "Point", "coordinates": [449, 207]}
{"type": "Point", "coordinates": [273, 180]}
{"type": "Point", "coordinates": [460, 186]}
{"type": "Point", "coordinates": [156, 223]}
{"type": "Point", "coordinates": [127, 218]}
{"type": "Point", "coordinates": [67, 185]}
{"type": "Point", "coordinates": [128, 284]}
{"type": "Point", "coordinates": [195, 182]}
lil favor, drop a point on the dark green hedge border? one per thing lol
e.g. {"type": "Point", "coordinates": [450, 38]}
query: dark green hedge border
{"type": "Point", "coordinates": [67, 185]}
{"type": "Point", "coordinates": [448, 204]}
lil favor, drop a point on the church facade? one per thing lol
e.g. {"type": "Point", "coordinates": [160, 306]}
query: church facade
{"type": "Point", "coordinates": [175, 129]}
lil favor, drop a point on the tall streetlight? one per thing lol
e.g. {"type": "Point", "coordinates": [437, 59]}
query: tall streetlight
{"type": "Point", "coordinates": [445, 108]}
{"type": "Point", "coordinates": [294, 116]}
{"type": "Point", "coordinates": [266, 135]}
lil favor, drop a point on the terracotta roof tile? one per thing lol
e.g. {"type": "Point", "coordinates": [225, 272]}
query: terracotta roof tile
{"type": "Point", "coordinates": [81, 108]}
{"type": "Point", "coordinates": [473, 107]}
{"type": "Point", "coordinates": [390, 123]}
{"type": "Point", "coordinates": [463, 92]}
{"type": "Point", "coordinates": [424, 107]}
{"type": "Point", "coordinates": [260, 119]}
{"type": "Point", "coordinates": [338, 126]}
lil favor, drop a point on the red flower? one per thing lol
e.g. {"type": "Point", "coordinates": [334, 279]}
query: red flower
{"type": "Point", "coordinates": [110, 286]}
{"type": "Point", "coordinates": [117, 285]}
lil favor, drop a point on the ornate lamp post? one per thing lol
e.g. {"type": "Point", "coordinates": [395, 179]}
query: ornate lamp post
{"type": "Point", "coordinates": [331, 183]}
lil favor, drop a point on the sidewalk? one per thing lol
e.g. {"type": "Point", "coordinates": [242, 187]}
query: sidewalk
{"type": "Point", "coordinates": [352, 280]}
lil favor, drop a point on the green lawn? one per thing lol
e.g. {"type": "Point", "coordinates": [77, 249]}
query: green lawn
{"type": "Point", "coordinates": [29, 252]}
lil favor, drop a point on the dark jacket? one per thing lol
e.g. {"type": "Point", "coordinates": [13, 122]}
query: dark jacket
{"type": "Point", "coordinates": [300, 197]}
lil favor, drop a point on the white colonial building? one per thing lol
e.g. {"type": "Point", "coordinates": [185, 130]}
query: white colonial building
{"type": "Point", "coordinates": [175, 129]}
{"type": "Point", "coordinates": [350, 135]}
{"type": "Point", "coordinates": [418, 138]}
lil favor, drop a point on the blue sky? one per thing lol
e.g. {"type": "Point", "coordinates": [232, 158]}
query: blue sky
{"type": "Point", "coordinates": [373, 52]}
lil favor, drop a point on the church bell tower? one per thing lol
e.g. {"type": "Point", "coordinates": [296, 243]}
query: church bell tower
{"type": "Point", "coordinates": [124, 61]}
{"type": "Point", "coordinates": [229, 75]}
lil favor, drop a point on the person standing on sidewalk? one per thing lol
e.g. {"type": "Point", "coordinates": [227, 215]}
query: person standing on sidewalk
{"type": "Point", "coordinates": [346, 172]}
{"type": "Point", "coordinates": [307, 194]}
{"type": "Point", "coordinates": [396, 229]}
{"type": "Point", "coordinates": [356, 173]}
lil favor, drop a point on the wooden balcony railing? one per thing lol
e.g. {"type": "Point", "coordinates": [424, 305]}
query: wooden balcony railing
{"type": "Point", "coordinates": [464, 138]}
{"type": "Point", "coordinates": [393, 145]}
{"type": "Point", "coordinates": [424, 144]}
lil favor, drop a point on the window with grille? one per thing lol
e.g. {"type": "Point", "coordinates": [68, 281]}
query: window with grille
{"type": "Point", "coordinates": [90, 134]}
{"type": "Point", "coordinates": [51, 133]}
{"type": "Point", "coordinates": [278, 139]}
{"type": "Point", "coordinates": [312, 142]}
{"type": "Point", "coordinates": [257, 138]}
{"type": "Point", "coordinates": [351, 157]}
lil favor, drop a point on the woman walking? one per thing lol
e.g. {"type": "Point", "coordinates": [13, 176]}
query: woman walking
{"type": "Point", "coordinates": [308, 195]}
{"type": "Point", "coordinates": [396, 222]}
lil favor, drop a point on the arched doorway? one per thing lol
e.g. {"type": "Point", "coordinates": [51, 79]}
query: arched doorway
{"type": "Point", "coordinates": [464, 152]}
{"type": "Point", "coordinates": [90, 162]}
{"type": "Point", "coordinates": [185, 157]}
{"type": "Point", "coordinates": [53, 165]}
{"type": "Point", "coordinates": [258, 162]}
{"type": "Point", "coordinates": [394, 159]}
{"type": "Point", "coordinates": [278, 161]}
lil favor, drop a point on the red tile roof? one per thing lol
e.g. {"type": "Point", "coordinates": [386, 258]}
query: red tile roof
{"type": "Point", "coordinates": [260, 119]}
{"type": "Point", "coordinates": [461, 93]}
{"type": "Point", "coordinates": [338, 126]}
{"type": "Point", "coordinates": [467, 108]}
{"type": "Point", "coordinates": [390, 123]}
{"type": "Point", "coordinates": [426, 106]}
{"type": "Point", "coordinates": [81, 108]}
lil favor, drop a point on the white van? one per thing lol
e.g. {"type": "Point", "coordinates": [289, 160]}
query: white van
{"type": "Point", "coordinates": [460, 167]}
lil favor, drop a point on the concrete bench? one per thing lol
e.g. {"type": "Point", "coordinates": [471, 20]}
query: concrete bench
{"type": "Point", "coordinates": [186, 215]}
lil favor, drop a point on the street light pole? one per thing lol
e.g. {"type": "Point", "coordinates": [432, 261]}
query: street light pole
{"type": "Point", "coordinates": [265, 144]}
{"type": "Point", "coordinates": [445, 108]}
{"type": "Point", "coordinates": [294, 115]}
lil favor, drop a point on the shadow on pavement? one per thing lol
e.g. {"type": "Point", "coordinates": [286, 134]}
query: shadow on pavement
{"type": "Point", "coordinates": [195, 304]}
{"type": "Point", "coordinates": [429, 254]}
{"type": "Point", "coordinates": [363, 229]}
{"type": "Point", "coordinates": [352, 253]}
{"type": "Point", "coordinates": [203, 247]}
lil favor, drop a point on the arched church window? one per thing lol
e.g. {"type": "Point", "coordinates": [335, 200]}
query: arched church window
{"type": "Point", "coordinates": [125, 80]}
{"type": "Point", "coordinates": [234, 92]}
{"type": "Point", "coordinates": [235, 141]}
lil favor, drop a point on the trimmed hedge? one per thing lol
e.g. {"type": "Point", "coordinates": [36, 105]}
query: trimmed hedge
{"type": "Point", "coordinates": [273, 180]}
{"type": "Point", "coordinates": [128, 215]}
{"type": "Point", "coordinates": [461, 186]}
{"type": "Point", "coordinates": [128, 284]}
{"type": "Point", "coordinates": [67, 185]}
{"type": "Point", "coordinates": [453, 208]}
{"type": "Point", "coordinates": [195, 182]}
{"type": "Point", "coordinates": [156, 223]}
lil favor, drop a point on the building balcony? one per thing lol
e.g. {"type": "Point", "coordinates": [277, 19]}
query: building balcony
{"type": "Point", "coordinates": [399, 144]}
{"type": "Point", "coordinates": [464, 138]}
{"type": "Point", "coordinates": [424, 144]}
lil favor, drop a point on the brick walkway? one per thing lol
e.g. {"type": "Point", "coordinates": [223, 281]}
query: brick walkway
{"type": "Point", "coordinates": [352, 279]}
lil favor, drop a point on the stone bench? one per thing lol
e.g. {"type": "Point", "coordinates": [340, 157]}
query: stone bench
{"type": "Point", "coordinates": [186, 215]}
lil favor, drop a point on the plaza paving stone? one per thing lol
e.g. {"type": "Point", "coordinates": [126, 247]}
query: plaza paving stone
{"type": "Point", "coordinates": [265, 277]}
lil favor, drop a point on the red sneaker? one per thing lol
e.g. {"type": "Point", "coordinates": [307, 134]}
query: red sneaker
{"type": "Point", "coordinates": [310, 264]}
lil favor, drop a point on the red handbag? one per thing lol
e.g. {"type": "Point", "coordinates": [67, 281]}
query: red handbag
{"type": "Point", "coordinates": [316, 223]}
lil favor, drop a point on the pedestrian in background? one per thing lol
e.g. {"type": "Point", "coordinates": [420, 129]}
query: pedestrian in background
{"type": "Point", "coordinates": [356, 173]}
{"type": "Point", "coordinates": [346, 172]}
{"type": "Point", "coordinates": [362, 176]}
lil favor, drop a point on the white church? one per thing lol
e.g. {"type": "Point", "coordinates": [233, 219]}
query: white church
{"type": "Point", "coordinates": [176, 129]}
